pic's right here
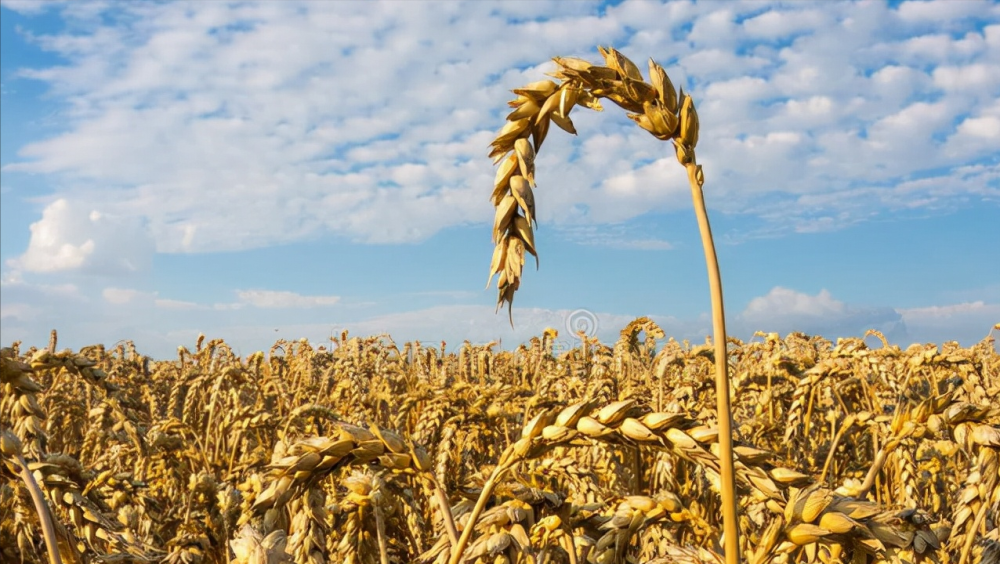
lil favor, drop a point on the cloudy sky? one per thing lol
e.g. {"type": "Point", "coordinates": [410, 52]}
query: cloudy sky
{"type": "Point", "coordinates": [256, 171]}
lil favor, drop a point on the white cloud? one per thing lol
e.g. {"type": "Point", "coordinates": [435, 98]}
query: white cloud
{"type": "Point", "coordinates": [967, 322]}
{"type": "Point", "coordinates": [614, 236]}
{"type": "Point", "coordinates": [13, 281]}
{"type": "Point", "coordinates": [813, 106]}
{"type": "Point", "coordinates": [949, 311]}
{"type": "Point", "coordinates": [643, 244]}
{"type": "Point", "coordinates": [783, 301]}
{"type": "Point", "coordinates": [28, 7]}
{"type": "Point", "coordinates": [69, 237]}
{"type": "Point", "coordinates": [938, 11]}
{"type": "Point", "coordinates": [714, 28]}
{"type": "Point", "coordinates": [718, 63]}
{"type": "Point", "coordinates": [987, 127]}
{"type": "Point", "coordinates": [975, 77]}
{"type": "Point", "coordinates": [774, 24]}
{"type": "Point", "coordinates": [271, 299]}
{"type": "Point", "coordinates": [176, 304]}
{"type": "Point", "coordinates": [120, 296]}
{"type": "Point", "coordinates": [31, 310]}
{"type": "Point", "coordinates": [20, 312]}
{"type": "Point", "coordinates": [784, 310]}
{"type": "Point", "coordinates": [940, 47]}
{"type": "Point", "coordinates": [744, 88]}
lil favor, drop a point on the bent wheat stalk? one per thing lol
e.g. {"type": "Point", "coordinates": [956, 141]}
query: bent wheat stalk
{"type": "Point", "coordinates": [658, 109]}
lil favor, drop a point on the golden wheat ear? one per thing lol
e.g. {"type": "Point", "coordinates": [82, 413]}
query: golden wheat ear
{"type": "Point", "coordinates": [654, 106]}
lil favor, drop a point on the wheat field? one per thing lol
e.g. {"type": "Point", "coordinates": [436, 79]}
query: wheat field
{"type": "Point", "coordinates": [365, 451]}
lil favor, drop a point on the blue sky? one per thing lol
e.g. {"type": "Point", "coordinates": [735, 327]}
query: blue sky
{"type": "Point", "coordinates": [281, 170]}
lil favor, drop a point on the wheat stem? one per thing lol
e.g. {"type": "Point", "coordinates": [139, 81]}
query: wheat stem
{"type": "Point", "coordinates": [570, 548]}
{"type": "Point", "coordinates": [846, 426]}
{"type": "Point", "coordinates": [876, 467]}
{"type": "Point", "coordinates": [484, 496]}
{"type": "Point", "coordinates": [446, 516]}
{"type": "Point", "coordinates": [730, 525]}
{"type": "Point", "coordinates": [42, 507]}
{"type": "Point", "coordinates": [383, 547]}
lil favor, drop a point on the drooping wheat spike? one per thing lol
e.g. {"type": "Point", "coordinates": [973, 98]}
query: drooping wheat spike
{"type": "Point", "coordinates": [655, 107]}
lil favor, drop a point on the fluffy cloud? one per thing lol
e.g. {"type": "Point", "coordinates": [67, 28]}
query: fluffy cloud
{"type": "Point", "coordinates": [776, 24]}
{"type": "Point", "coordinates": [938, 11]}
{"type": "Point", "coordinates": [269, 123]}
{"type": "Point", "coordinates": [263, 299]}
{"type": "Point", "coordinates": [24, 6]}
{"type": "Point", "coordinates": [615, 236]}
{"type": "Point", "coordinates": [71, 237]}
{"type": "Point", "coordinates": [176, 304]}
{"type": "Point", "coordinates": [120, 296]}
{"type": "Point", "coordinates": [985, 127]}
{"type": "Point", "coordinates": [783, 301]}
{"type": "Point", "coordinates": [30, 310]}
{"type": "Point", "coordinates": [270, 299]}
{"type": "Point", "coordinates": [784, 310]}
{"type": "Point", "coordinates": [18, 312]}
{"type": "Point", "coordinates": [965, 322]}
